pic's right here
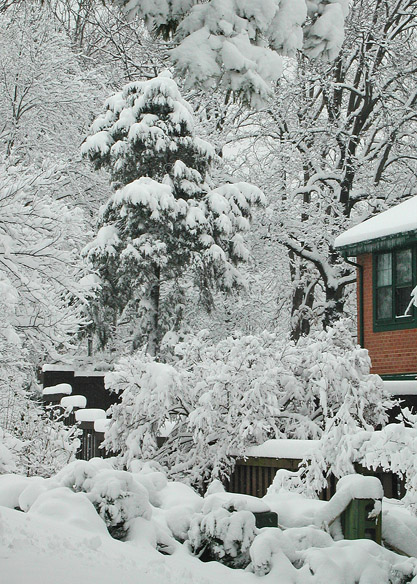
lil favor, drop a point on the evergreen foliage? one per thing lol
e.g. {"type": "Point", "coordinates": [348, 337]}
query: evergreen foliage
{"type": "Point", "coordinates": [164, 216]}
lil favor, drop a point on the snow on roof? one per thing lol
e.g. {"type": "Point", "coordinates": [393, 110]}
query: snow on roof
{"type": "Point", "coordinates": [283, 448]}
{"type": "Point", "coordinates": [60, 388]}
{"type": "Point", "coordinates": [56, 367]}
{"type": "Point", "coordinates": [98, 370]}
{"type": "Point", "coordinates": [90, 415]}
{"type": "Point", "coordinates": [398, 219]}
{"type": "Point", "coordinates": [74, 401]}
{"type": "Point", "coordinates": [406, 387]}
{"type": "Point", "coordinates": [89, 373]}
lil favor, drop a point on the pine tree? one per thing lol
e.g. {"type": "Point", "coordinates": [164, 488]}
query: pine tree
{"type": "Point", "coordinates": [164, 217]}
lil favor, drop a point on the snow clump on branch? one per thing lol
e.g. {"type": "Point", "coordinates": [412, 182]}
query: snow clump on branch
{"type": "Point", "coordinates": [238, 43]}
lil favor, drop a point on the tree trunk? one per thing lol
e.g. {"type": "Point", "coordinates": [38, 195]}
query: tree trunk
{"type": "Point", "coordinates": [302, 299]}
{"type": "Point", "coordinates": [148, 329]}
{"type": "Point", "coordinates": [154, 334]}
{"type": "Point", "coordinates": [334, 307]}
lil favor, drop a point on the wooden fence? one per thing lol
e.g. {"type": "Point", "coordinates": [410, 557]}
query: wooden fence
{"type": "Point", "coordinates": [90, 442]}
{"type": "Point", "coordinates": [253, 476]}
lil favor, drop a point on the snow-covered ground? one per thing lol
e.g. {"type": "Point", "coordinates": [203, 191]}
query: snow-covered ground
{"type": "Point", "coordinates": [40, 549]}
{"type": "Point", "coordinates": [54, 530]}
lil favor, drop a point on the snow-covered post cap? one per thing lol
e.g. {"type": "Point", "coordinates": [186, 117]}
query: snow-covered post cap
{"type": "Point", "coordinates": [70, 402]}
{"type": "Point", "coordinates": [100, 426]}
{"type": "Point", "coordinates": [61, 388]}
{"type": "Point", "coordinates": [90, 415]}
{"type": "Point", "coordinates": [361, 487]}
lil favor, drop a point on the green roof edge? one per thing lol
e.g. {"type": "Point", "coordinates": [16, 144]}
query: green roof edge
{"type": "Point", "coordinates": [387, 242]}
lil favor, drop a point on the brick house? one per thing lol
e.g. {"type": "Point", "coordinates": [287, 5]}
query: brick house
{"type": "Point", "coordinates": [385, 248]}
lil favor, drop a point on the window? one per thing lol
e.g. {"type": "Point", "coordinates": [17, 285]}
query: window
{"type": "Point", "coordinates": [394, 278]}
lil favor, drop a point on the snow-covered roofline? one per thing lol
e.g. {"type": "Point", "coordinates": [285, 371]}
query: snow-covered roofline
{"type": "Point", "coordinates": [395, 226]}
{"type": "Point", "coordinates": [84, 372]}
{"type": "Point", "coordinates": [283, 448]}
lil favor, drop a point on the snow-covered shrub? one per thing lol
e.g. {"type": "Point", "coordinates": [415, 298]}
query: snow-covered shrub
{"type": "Point", "coordinates": [36, 440]}
{"type": "Point", "coordinates": [275, 546]}
{"type": "Point", "coordinates": [346, 443]}
{"type": "Point", "coordinates": [116, 495]}
{"type": "Point", "coordinates": [224, 536]}
{"type": "Point", "coordinates": [9, 448]}
{"type": "Point", "coordinates": [220, 398]}
{"type": "Point", "coordinates": [149, 393]}
{"type": "Point", "coordinates": [392, 449]}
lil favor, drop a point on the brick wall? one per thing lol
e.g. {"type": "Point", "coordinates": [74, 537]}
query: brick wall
{"type": "Point", "coordinates": [390, 351]}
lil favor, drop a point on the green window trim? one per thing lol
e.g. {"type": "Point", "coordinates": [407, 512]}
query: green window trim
{"type": "Point", "coordinates": [386, 287]}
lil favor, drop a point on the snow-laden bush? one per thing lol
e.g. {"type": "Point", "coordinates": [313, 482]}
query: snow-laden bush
{"type": "Point", "coordinates": [36, 440]}
{"type": "Point", "coordinates": [40, 308]}
{"type": "Point", "coordinates": [9, 448]}
{"type": "Point", "coordinates": [219, 398]}
{"type": "Point", "coordinates": [115, 494]}
{"type": "Point", "coordinates": [392, 449]}
{"type": "Point", "coordinates": [33, 441]}
{"type": "Point", "coordinates": [225, 529]}
{"type": "Point", "coordinates": [224, 536]}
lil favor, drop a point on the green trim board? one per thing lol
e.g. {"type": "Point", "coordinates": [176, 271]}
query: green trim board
{"type": "Point", "coordinates": [399, 377]}
{"type": "Point", "coordinates": [394, 322]}
{"type": "Point", "coordinates": [386, 243]}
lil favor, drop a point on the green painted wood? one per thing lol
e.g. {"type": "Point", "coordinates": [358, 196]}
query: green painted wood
{"type": "Point", "coordinates": [379, 244]}
{"type": "Point", "coordinates": [357, 525]}
{"type": "Point", "coordinates": [266, 519]}
{"type": "Point", "coordinates": [399, 376]}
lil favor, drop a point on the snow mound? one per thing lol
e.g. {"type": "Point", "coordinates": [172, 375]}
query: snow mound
{"type": "Point", "coordinates": [11, 486]}
{"type": "Point", "coordinates": [65, 506]}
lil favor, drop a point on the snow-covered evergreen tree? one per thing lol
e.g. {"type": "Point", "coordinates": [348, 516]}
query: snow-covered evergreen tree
{"type": "Point", "coordinates": [165, 215]}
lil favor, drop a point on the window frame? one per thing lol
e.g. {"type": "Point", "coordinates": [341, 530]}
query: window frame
{"type": "Point", "coordinates": [394, 322]}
